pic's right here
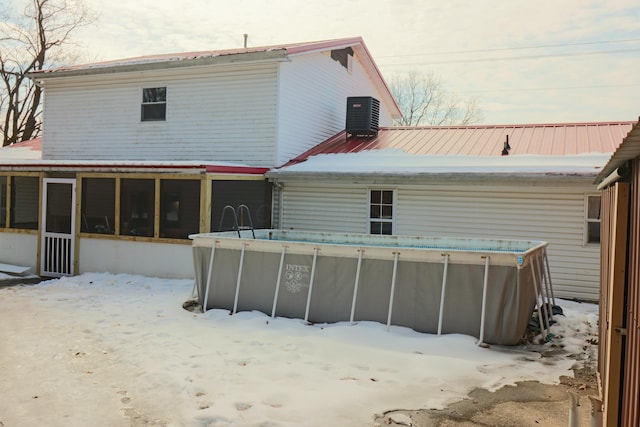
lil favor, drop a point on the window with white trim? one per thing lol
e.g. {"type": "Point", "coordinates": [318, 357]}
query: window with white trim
{"type": "Point", "coordinates": [154, 104]}
{"type": "Point", "coordinates": [592, 219]}
{"type": "Point", "coordinates": [381, 211]}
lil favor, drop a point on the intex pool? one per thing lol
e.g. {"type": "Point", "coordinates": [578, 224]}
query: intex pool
{"type": "Point", "coordinates": [484, 288]}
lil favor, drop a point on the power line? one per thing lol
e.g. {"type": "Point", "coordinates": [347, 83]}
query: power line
{"type": "Point", "coordinates": [513, 58]}
{"type": "Point", "coordinates": [499, 49]}
{"type": "Point", "coordinates": [549, 88]}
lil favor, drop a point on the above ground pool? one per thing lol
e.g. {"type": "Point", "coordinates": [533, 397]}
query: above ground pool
{"type": "Point", "coordinates": [479, 287]}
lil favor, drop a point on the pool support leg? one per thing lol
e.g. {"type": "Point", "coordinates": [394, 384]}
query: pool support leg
{"type": "Point", "coordinates": [313, 271]}
{"type": "Point", "coordinates": [235, 300]}
{"type": "Point", "coordinates": [275, 297]}
{"type": "Point", "coordinates": [546, 312]}
{"type": "Point", "coordinates": [484, 301]}
{"type": "Point", "coordinates": [547, 272]}
{"type": "Point", "coordinates": [355, 287]}
{"type": "Point", "coordinates": [206, 291]}
{"type": "Point", "coordinates": [393, 287]}
{"type": "Point", "coordinates": [543, 331]}
{"type": "Point", "coordinates": [442, 292]}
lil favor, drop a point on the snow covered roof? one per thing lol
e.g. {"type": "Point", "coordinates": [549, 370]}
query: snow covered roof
{"type": "Point", "coordinates": [551, 149]}
{"type": "Point", "coordinates": [629, 149]}
{"type": "Point", "coordinates": [129, 166]}
{"type": "Point", "coordinates": [26, 150]}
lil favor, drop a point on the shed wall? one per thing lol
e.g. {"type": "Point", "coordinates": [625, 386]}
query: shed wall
{"type": "Point", "coordinates": [631, 360]}
{"type": "Point", "coordinates": [553, 213]}
{"type": "Point", "coordinates": [213, 113]}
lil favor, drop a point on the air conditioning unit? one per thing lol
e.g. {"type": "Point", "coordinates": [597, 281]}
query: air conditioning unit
{"type": "Point", "coordinates": [363, 113]}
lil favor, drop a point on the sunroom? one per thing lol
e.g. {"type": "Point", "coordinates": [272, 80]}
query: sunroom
{"type": "Point", "coordinates": [130, 217]}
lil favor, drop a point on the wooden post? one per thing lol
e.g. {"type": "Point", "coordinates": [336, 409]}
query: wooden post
{"type": "Point", "coordinates": [615, 313]}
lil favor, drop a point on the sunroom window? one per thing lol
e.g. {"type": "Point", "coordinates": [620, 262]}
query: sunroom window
{"type": "Point", "coordinates": [98, 205]}
{"type": "Point", "coordinates": [255, 195]}
{"type": "Point", "coordinates": [137, 207]}
{"type": "Point", "coordinates": [179, 208]}
{"type": "Point", "coordinates": [3, 201]}
{"type": "Point", "coordinates": [25, 193]}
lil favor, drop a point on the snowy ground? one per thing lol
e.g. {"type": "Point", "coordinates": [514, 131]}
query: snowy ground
{"type": "Point", "coordinates": [120, 350]}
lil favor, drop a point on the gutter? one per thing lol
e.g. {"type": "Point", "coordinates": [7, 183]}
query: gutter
{"type": "Point", "coordinates": [426, 177]}
{"type": "Point", "coordinates": [617, 175]}
{"type": "Point", "coordinates": [106, 167]}
{"type": "Point", "coordinates": [158, 64]}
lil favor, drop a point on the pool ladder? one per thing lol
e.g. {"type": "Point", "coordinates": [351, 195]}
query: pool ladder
{"type": "Point", "coordinates": [238, 216]}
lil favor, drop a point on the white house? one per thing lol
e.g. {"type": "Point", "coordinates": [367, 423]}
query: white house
{"type": "Point", "coordinates": [139, 153]}
{"type": "Point", "coordinates": [528, 182]}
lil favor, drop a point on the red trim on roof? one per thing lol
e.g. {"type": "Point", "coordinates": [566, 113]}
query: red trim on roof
{"type": "Point", "coordinates": [115, 167]}
{"type": "Point", "coordinates": [236, 169]}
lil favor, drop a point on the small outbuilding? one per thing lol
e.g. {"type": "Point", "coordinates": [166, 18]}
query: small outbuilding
{"type": "Point", "coordinates": [619, 343]}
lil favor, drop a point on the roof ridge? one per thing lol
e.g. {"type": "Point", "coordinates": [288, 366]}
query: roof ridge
{"type": "Point", "coordinates": [508, 126]}
{"type": "Point", "coordinates": [290, 48]}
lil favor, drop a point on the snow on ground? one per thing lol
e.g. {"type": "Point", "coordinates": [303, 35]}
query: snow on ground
{"type": "Point", "coordinates": [119, 350]}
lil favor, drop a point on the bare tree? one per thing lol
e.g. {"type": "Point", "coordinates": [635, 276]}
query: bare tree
{"type": "Point", "coordinates": [424, 101]}
{"type": "Point", "coordinates": [30, 42]}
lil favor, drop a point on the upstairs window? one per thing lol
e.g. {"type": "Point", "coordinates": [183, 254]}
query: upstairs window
{"type": "Point", "coordinates": [592, 219]}
{"type": "Point", "coordinates": [381, 209]}
{"type": "Point", "coordinates": [154, 104]}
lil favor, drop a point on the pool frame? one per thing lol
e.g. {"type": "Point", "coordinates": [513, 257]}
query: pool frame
{"type": "Point", "coordinates": [518, 269]}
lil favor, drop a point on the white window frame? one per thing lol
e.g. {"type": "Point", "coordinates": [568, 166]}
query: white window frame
{"type": "Point", "coordinates": [588, 220]}
{"type": "Point", "coordinates": [394, 206]}
{"type": "Point", "coordinates": [166, 104]}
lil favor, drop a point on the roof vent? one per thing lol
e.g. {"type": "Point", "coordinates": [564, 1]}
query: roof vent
{"type": "Point", "coordinates": [363, 113]}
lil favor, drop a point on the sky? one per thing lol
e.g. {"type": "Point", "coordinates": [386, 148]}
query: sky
{"type": "Point", "coordinates": [119, 350]}
{"type": "Point", "coordinates": [546, 61]}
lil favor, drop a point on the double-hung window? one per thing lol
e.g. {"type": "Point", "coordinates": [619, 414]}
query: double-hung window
{"type": "Point", "coordinates": [592, 219]}
{"type": "Point", "coordinates": [154, 104]}
{"type": "Point", "coordinates": [381, 211]}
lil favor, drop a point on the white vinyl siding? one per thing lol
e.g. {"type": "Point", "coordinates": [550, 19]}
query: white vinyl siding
{"type": "Point", "coordinates": [313, 101]}
{"type": "Point", "coordinates": [213, 114]}
{"type": "Point", "coordinates": [552, 213]}
{"type": "Point", "coordinates": [308, 207]}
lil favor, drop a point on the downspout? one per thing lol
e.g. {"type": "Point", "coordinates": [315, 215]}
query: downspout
{"type": "Point", "coordinates": [280, 189]}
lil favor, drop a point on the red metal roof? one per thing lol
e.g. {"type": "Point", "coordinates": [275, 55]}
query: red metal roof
{"type": "Point", "coordinates": [486, 140]}
{"type": "Point", "coordinates": [31, 149]}
{"type": "Point", "coordinates": [289, 48]}
{"type": "Point", "coordinates": [629, 149]}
